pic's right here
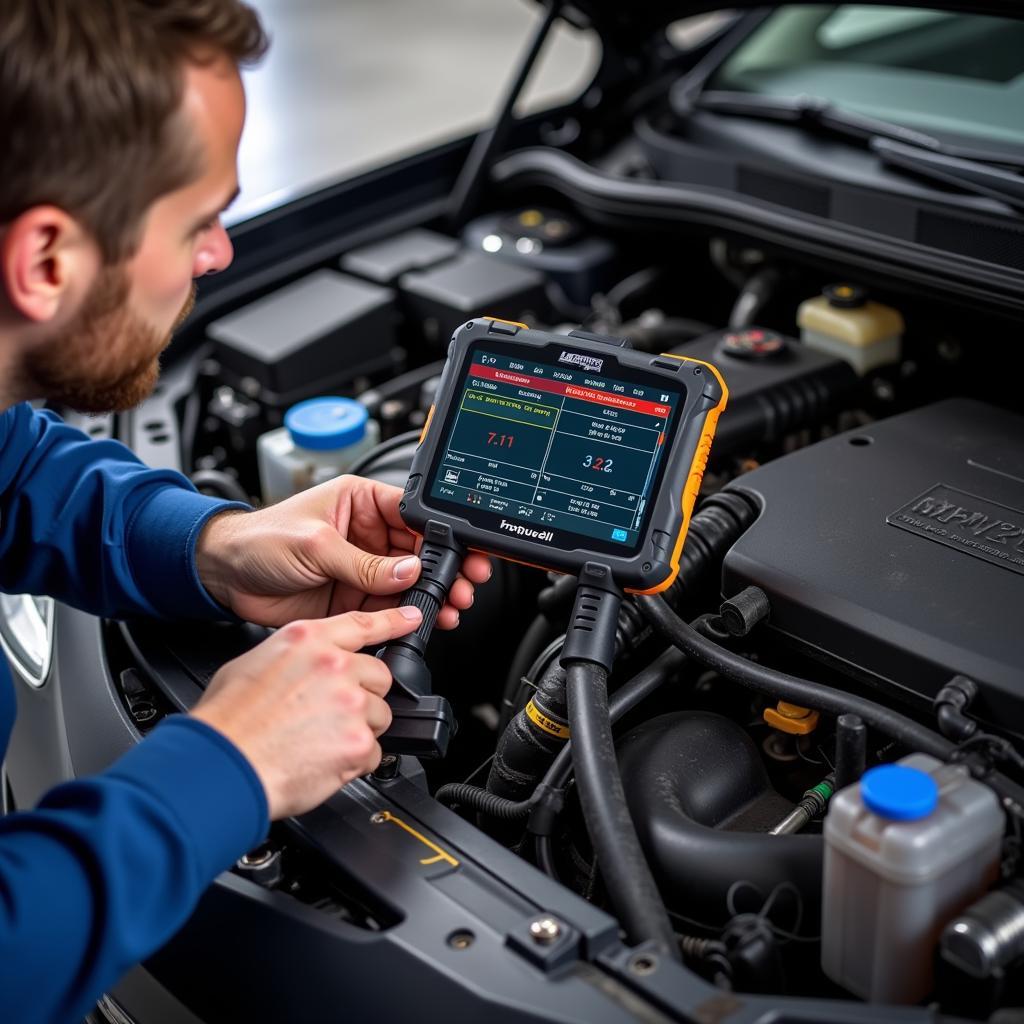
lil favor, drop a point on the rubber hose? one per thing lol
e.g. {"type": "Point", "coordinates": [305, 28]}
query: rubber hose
{"type": "Point", "coordinates": [717, 525]}
{"type": "Point", "coordinates": [480, 800]}
{"type": "Point", "coordinates": [525, 748]}
{"type": "Point", "coordinates": [627, 877]}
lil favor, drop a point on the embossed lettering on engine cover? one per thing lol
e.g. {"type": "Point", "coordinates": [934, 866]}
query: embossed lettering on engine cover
{"type": "Point", "coordinates": [968, 523]}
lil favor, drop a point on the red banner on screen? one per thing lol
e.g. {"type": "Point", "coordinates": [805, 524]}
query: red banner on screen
{"type": "Point", "coordinates": [560, 387]}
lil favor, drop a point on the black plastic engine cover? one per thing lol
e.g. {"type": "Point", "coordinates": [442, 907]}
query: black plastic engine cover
{"type": "Point", "coordinates": [898, 552]}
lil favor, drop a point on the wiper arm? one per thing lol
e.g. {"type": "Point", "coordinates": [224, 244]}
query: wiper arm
{"type": "Point", "coordinates": [820, 113]}
{"type": "Point", "coordinates": [966, 174]}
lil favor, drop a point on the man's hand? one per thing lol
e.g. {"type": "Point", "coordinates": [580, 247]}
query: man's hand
{"type": "Point", "coordinates": [332, 549]}
{"type": "Point", "coordinates": [304, 708]}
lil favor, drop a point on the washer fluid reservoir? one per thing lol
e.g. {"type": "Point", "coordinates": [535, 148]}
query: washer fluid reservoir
{"type": "Point", "coordinates": [906, 849]}
{"type": "Point", "coordinates": [321, 438]}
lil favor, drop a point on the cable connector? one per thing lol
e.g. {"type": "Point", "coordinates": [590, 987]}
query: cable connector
{"type": "Point", "coordinates": [951, 704]}
{"type": "Point", "coordinates": [595, 619]}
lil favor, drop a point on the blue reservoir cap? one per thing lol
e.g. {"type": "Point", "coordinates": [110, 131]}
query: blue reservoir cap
{"type": "Point", "coordinates": [899, 793]}
{"type": "Point", "coordinates": [324, 424]}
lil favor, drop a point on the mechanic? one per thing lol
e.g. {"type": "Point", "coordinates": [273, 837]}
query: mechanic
{"type": "Point", "coordinates": [121, 121]}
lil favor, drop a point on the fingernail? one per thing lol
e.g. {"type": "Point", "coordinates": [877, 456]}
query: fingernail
{"type": "Point", "coordinates": [406, 569]}
{"type": "Point", "coordinates": [409, 612]}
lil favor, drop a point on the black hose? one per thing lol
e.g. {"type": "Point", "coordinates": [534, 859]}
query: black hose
{"type": "Point", "coordinates": [628, 879]}
{"type": "Point", "coordinates": [222, 484]}
{"type": "Point", "coordinates": [480, 800]}
{"type": "Point", "coordinates": [361, 465]}
{"type": "Point", "coordinates": [373, 398]}
{"type": "Point", "coordinates": [544, 856]}
{"type": "Point", "coordinates": [753, 297]}
{"type": "Point", "coordinates": [532, 738]}
{"type": "Point", "coordinates": [718, 524]}
{"type": "Point", "coordinates": [781, 685]}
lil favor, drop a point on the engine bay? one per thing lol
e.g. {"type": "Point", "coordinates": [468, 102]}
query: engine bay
{"type": "Point", "coordinates": [858, 529]}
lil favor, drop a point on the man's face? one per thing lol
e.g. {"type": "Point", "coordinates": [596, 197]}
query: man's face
{"type": "Point", "coordinates": [107, 357]}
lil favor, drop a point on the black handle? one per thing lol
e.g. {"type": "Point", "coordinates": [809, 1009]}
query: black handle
{"type": "Point", "coordinates": [422, 722]}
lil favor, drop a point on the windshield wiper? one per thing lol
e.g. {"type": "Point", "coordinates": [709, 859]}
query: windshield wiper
{"type": "Point", "coordinates": [822, 113]}
{"type": "Point", "coordinates": [966, 174]}
{"type": "Point", "coordinates": [974, 170]}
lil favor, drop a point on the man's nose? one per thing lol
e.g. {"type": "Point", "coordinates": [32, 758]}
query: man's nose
{"type": "Point", "coordinates": [215, 254]}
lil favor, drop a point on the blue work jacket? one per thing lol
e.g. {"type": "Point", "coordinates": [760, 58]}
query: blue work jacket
{"type": "Point", "coordinates": [105, 869]}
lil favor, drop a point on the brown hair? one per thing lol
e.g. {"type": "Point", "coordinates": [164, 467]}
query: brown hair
{"type": "Point", "coordinates": [89, 92]}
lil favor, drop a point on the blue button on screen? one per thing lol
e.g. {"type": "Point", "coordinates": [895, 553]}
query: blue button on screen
{"type": "Point", "coordinates": [620, 535]}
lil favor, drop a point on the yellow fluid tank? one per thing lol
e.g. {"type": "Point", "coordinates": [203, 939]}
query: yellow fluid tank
{"type": "Point", "coordinates": [843, 322]}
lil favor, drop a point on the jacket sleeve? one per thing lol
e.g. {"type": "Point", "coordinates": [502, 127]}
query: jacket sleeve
{"type": "Point", "coordinates": [86, 522]}
{"type": "Point", "coordinates": [106, 869]}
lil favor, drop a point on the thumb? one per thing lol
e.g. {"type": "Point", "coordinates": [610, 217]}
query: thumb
{"type": "Point", "coordinates": [369, 573]}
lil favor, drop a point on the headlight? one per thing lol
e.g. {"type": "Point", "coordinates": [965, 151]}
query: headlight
{"type": "Point", "coordinates": [26, 634]}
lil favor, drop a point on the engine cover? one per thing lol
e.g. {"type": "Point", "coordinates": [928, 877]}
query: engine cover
{"type": "Point", "coordinates": [897, 551]}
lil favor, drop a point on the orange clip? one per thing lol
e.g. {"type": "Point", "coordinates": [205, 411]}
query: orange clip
{"type": "Point", "coordinates": [791, 718]}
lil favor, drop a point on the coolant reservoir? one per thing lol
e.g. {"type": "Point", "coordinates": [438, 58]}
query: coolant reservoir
{"type": "Point", "coordinates": [321, 438]}
{"type": "Point", "coordinates": [906, 849]}
{"type": "Point", "coordinates": [844, 323]}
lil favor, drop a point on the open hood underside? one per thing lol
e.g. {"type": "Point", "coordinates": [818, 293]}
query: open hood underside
{"type": "Point", "coordinates": [639, 19]}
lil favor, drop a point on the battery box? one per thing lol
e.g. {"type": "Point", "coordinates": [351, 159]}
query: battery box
{"type": "Point", "coordinates": [473, 284]}
{"type": "Point", "coordinates": [317, 334]}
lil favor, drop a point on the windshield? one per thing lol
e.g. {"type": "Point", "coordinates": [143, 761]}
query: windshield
{"type": "Point", "coordinates": [958, 75]}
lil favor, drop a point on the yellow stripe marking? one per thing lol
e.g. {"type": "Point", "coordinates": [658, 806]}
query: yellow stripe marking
{"type": "Point", "coordinates": [441, 855]}
{"type": "Point", "coordinates": [542, 721]}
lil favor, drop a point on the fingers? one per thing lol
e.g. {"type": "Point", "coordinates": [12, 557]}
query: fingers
{"type": "Point", "coordinates": [477, 568]}
{"type": "Point", "coordinates": [447, 617]}
{"type": "Point", "coordinates": [353, 630]}
{"type": "Point", "coordinates": [378, 715]}
{"type": "Point", "coordinates": [366, 572]}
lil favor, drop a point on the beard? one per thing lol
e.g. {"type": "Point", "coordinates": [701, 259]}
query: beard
{"type": "Point", "coordinates": [108, 358]}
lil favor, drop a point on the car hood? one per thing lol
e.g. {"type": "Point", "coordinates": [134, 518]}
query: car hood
{"type": "Point", "coordinates": [640, 18]}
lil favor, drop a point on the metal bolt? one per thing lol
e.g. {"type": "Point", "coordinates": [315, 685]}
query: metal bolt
{"type": "Point", "coordinates": [263, 866]}
{"type": "Point", "coordinates": [258, 857]}
{"type": "Point", "coordinates": [644, 963]}
{"type": "Point", "coordinates": [379, 818]}
{"type": "Point", "coordinates": [545, 930]}
{"type": "Point", "coordinates": [461, 939]}
{"type": "Point", "coordinates": [388, 767]}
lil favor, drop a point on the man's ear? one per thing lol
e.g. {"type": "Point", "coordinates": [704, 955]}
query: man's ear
{"type": "Point", "coordinates": [47, 263]}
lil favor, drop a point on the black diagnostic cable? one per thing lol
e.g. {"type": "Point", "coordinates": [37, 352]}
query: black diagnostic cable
{"type": "Point", "coordinates": [781, 685]}
{"type": "Point", "coordinates": [422, 721]}
{"type": "Point", "coordinates": [587, 657]}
